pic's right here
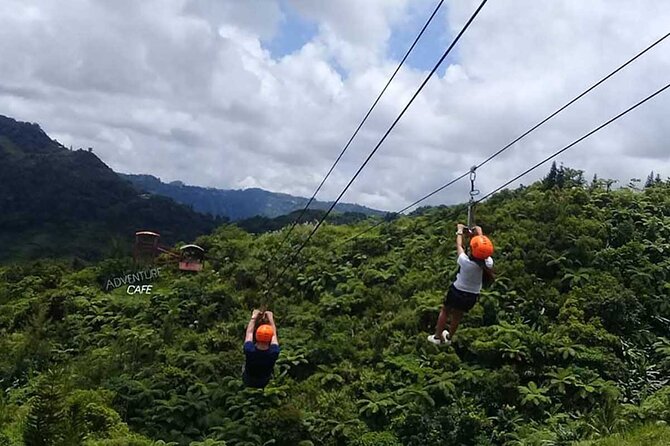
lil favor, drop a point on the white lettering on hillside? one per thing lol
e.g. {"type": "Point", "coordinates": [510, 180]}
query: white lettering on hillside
{"type": "Point", "coordinates": [139, 289]}
{"type": "Point", "coordinates": [131, 279]}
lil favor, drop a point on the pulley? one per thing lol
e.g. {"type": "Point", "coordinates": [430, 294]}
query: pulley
{"type": "Point", "coordinates": [471, 204]}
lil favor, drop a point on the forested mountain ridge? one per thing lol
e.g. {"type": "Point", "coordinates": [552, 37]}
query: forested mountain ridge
{"type": "Point", "coordinates": [25, 138]}
{"type": "Point", "coordinates": [56, 202]}
{"type": "Point", "coordinates": [570, 344]}
{"type": "Point", "coordinates": [258, 224]}
{"type": "Point", "coordinates": [237, 204]}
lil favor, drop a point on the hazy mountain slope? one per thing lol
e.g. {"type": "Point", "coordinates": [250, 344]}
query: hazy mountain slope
{"type": "Point", "coordinates": [236, 204]}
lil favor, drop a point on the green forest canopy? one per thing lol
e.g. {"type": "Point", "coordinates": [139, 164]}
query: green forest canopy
{"type": "Point", "coordinates": [571, 344]}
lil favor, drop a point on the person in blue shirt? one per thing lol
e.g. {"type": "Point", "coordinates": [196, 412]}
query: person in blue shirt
{"type": "Point", "coordinates": [261, 350]}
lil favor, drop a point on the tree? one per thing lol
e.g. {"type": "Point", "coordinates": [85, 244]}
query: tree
{"type": "Point", "coordinates": [650, 180]}
{"type": "Point", "coordinates": [594, 182]}
{"type": "Point", "coordinates": [633, 183]}
{"type": "Point", "coordinates": [560, 177]}
{"type": "Point", "coordinates": [48, 420]}
{"type": "Point", "coordinates": [550, 180]}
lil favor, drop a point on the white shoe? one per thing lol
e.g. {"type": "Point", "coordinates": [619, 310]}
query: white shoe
{"type": "Point", "coordinates": [445, 335]}
{"type": "Point", "coordinates": [433, 340]}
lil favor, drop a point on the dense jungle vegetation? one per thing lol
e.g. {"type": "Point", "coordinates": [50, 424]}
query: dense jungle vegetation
{"type": "Point", "coordinates": [569, 346]}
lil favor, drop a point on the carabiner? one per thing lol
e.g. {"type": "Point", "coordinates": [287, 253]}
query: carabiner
{"type": "Point", "coordinates": [473, 177]}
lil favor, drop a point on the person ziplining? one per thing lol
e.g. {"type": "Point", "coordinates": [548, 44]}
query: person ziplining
{"type": "Point", "coordinates": [261, 349]}
{"type": "Point", "coordinates": [475, 268]}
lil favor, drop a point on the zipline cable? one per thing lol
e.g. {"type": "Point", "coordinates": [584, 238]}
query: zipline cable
{"type": "Point", "coordinates": [572, 101]}
{"type": "Point", "coordinates": [381, 141]}
{"type": "Point", "coordinates": [297, 220]}
{"type": "Point", "coordinates": [577, 141]}
{"type": "Point", "coordinates": [409, 206]}
{"type": "Point", "coordinates": [519, 138]}
{"type": "Point", "coordinates": [360, 125]}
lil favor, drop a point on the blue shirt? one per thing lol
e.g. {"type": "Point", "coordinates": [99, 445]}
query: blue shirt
{"type": "Point", "coordinates": [259, 364]}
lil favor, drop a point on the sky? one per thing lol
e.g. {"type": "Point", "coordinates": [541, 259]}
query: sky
{"type": "Point", "coordinates": [265, 93]}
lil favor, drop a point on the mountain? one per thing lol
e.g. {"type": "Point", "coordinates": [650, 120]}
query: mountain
{"type": "Point", "coordinates": [58, 202]}
{"type": "Point", "coordinates": [236, 204]}
{"type": "Point", "coordinates": [260, 224]}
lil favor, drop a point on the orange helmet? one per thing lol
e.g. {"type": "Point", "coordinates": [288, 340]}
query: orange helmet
{"type": "Point", "coordinates": [264, 333]}
{"type": "Point", "coordinates": [481, 247]}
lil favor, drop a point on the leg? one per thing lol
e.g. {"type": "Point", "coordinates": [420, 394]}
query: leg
{"type": "Point", "coordinates": [441, 322]}
{"type": "Point", "coordinates": [456, 316]}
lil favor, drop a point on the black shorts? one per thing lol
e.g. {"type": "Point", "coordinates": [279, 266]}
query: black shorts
{"type": "Point", "coordinates": [251, 381]}
{"type": "Point", "coordinates": [460, 300]}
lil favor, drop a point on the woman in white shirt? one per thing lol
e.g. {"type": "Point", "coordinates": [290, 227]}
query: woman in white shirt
{"type": "Point", "coordinates": [463, 293]}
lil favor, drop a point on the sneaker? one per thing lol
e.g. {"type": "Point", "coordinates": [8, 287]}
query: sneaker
{"type": "Point", "coordinates": [433, 340]}
{"type": "Point", "coordinates": [445, 335]}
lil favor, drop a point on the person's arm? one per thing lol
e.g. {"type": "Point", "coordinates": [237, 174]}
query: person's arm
{"type": "Point", "coordinates": [249, 336]}
{"type": "Point", "coordinates": [271, 320]}
{"type": "Point", "coordinates": [459, 239]}
{"type": "Point", "coordinates": [478, 230]}
{"type": "Point", "coordinates": [489, 272]}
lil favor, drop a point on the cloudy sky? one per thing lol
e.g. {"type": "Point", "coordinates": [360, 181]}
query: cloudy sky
{"type": "Point", "coordinates": [264, 93]}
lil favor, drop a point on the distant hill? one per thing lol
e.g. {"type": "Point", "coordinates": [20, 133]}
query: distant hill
{"type": "Point", "coordinates": [260, 224]}
{"type": "Point", "coordinates": [237, 204]}
{"type": "Point", "coordinates": [56, 202]}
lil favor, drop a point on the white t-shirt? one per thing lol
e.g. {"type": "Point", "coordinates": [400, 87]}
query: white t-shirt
{"type": "Point", "coordinates": [469, 278]}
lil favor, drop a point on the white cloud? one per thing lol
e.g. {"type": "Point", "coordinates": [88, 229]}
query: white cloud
{"type": "Point", "coordinates": [184, 89]}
